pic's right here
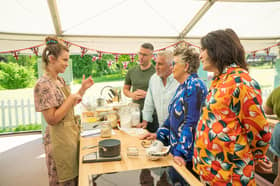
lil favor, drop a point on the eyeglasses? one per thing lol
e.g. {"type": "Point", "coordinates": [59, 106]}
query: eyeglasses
{"type": "Point", "coordinates": [142, 54]}
{"type": "Point", "coordinates": [174, 63]}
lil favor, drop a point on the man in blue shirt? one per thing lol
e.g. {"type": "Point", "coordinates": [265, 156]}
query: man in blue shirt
{"type": "Point", "coordinates": [162, 87]}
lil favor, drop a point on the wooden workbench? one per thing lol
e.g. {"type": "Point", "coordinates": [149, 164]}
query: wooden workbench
{"type": "Point", "coordinates": [127, 163]}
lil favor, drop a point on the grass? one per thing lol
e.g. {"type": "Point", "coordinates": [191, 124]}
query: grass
{"type": "Point", "coordinates": [21, 128]}
{"type": "Point", "coordinates": [264, 66]}
{"type": "Point", "coordinates": [111, 77]}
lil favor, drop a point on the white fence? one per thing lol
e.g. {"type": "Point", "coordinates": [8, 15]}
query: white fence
{"type": "Point", "coordinates": [18, 112]}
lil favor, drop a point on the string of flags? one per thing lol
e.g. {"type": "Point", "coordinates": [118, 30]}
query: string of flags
{"type": "Point", "coordinates": [98, 53]}
{"type": "Point", "coordinates": [266, 50]}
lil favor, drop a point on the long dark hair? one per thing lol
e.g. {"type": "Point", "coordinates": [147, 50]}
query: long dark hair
{"type": "Point", "coordinates": [224, 48]}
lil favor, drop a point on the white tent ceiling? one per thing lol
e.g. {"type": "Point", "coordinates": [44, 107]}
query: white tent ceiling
{"type": "Point", "coordinates": [122, 25]}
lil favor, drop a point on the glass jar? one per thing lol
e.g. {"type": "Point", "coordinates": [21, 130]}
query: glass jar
{"type": "Point", "coordinates": [100, 102]}
{"type": "Point", "coordinates": [106, 129]}
{"type": "Point", "coordinates": [125, 117]}
{"type": "Point", "coordinates": [112, 116]}
{"type": "Point", "coordinates": [135, 114]}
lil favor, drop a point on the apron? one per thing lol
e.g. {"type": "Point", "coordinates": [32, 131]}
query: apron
{"type": "Point", "coordinates": [64, 140]}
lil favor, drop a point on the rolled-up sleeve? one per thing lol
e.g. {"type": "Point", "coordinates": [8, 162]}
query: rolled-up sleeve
{"type": "Point", "coordinates": [149, 106]}
{"type": "Point", "coordinates": [46, 96]}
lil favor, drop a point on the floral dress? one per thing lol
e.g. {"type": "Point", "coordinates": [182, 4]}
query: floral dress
{"type": "Point", "coordinates": [232, 132]}
{"type": "Point", "coordinates": [47, 95]}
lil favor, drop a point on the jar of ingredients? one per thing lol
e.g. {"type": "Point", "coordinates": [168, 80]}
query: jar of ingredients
{"type": "Point", "coordinates": [100, 102]}
{"type": "Point", "coordinates": [106, 129]}
{"type": "Point", "coordinates": [113, 118]}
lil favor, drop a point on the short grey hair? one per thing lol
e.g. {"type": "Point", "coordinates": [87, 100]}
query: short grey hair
{"type": "Point", "coordinates": [168, 55]}
{"type": "Point", "coordinates": [190, 56]}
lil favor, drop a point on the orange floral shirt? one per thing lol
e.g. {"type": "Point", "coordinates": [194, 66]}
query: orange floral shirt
{"type": "Point", "coordinates": [232, 132]}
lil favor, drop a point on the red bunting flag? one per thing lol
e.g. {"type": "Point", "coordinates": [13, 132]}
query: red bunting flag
{"type": "Point", "coordinates": [35, 50]}
{"type": "Point", "coordinates": [125, 64]}
{"type": "Point", "coordinates": [254, 54]}
{"type": "Point", "coordinates": [93, 59]}
{"type": "Point", "coordinates": [67, 44]}
{"type": "Point", "coordinates": [15, 54]}
{"type": "Point", "coordinates": [132, 57]}
{"type": "Point", "coordinates": [100, 55]}
{"type": "Point", "coordinates": [109, 63]}
{"type": "Point", "coordinates": [83, 51]}
{"type": "Point", "coordinates": [267, 51]}
{"type": "Point", "coordinates": [117, 57]}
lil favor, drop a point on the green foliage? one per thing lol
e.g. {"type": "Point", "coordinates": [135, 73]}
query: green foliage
{"type": "Point", "coordinates": [99, 68]}
{"type": "Point", "coordinates": [110, 77]}
{"type": "Point", "coordinates": [23, 60]}
{"type": "Point", "coordinates": [20, 128]}
{"type": "Point", "coordinates": [81, 65]}
{"type": "Point", "coordinates": [28, 61]}
{"type": "Point", "coordinates": [13, 76]}
{"type": "Point", "coordinates": [124, 58]}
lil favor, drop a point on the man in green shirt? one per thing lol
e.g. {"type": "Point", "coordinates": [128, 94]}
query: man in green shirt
{"type": "Point", "coordinates": [273, 103]}
{"type": "Point", "coordinates": [137, 78]}
{"type": "Point", "coordinates": [272, 106]}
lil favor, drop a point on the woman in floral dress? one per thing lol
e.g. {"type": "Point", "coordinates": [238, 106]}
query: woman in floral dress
{"type": "Point", "coordinates": [53, 98]}
{"type": "Point", "coordinates": [232, 136]}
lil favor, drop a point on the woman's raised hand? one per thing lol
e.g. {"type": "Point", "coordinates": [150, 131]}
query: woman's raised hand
{"type": "Point", "coordinates": [87, 83]}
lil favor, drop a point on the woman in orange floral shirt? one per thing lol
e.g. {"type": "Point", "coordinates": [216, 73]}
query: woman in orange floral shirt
{"type": "Point", "coordinates": [232, 135]}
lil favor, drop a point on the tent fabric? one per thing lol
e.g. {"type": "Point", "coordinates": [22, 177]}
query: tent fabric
{"type": "Point", "coordinates": [122, 25]}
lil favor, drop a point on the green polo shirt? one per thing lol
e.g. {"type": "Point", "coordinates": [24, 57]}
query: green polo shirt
{"type": "Point", "coordinates": [139, 79]}
{"type": "Point", "coordinates": [273, 101]}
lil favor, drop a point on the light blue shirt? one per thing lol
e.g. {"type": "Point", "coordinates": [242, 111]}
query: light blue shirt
{"type": "Point", "coordinates": [158, 97]}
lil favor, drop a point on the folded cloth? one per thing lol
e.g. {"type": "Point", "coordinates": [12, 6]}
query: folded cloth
{"type": "Point", "coordinates": [94, 132]}
{"type": "Point", "coordinates": [133, 131]}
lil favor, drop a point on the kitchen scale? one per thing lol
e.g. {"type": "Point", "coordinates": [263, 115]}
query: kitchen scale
{"type": "Point", "coordinates": [94, 157]}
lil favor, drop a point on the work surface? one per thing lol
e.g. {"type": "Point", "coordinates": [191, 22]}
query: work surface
{"type": "Point", "coordinates": [126, 163]}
